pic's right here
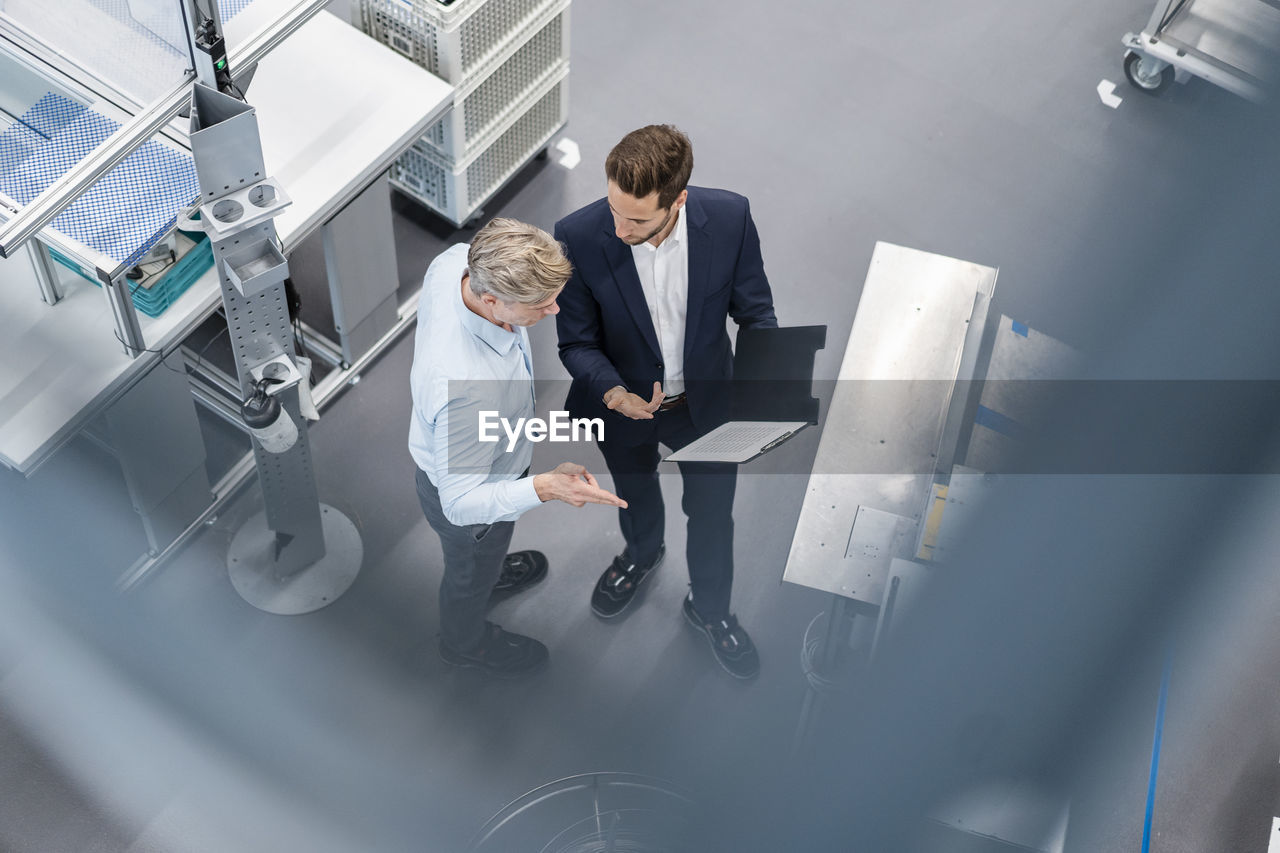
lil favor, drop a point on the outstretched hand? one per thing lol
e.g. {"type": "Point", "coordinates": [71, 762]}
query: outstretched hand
{"type": "Point", "coordinates": [634, 406]}
{"type": "Point", "coordinates": [573, 484]}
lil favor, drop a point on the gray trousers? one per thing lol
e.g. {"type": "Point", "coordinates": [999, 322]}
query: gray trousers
{"type": "Point", "coordinates": [473, 556]}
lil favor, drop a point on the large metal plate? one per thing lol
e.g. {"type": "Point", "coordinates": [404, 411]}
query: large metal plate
{"type": "Point", "coordinates": [1021, 379]}
{"type": "Point", "coordinates": [254, 573]}
{"type": "Point", "coordinates": [911, 324]}
{"type": "Point", "coordinates": [876, 539]}
{"type": "Point", "coordinates": [966, 494]}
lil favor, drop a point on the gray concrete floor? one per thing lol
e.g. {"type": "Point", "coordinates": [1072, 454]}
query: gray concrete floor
{"type": "Point", "coordinates": [974, 132]}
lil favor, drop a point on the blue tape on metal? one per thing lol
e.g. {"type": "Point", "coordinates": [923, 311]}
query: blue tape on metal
{"type": "Point", "coordinates": [1020, 328]}
{"type": "Point", "coordinates": [1002, 424]}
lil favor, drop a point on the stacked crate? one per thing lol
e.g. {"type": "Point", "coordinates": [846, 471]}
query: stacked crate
{"type": "Point", "coordinates": [508, 61]}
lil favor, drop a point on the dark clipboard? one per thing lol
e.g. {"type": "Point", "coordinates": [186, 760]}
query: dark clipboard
{"type": "Point", "coordinates": [772, 395]}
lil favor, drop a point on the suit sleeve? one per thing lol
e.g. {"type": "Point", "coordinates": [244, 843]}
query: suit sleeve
{"type": "Point", "coordinates": [751, 304]}
{"type": "Point", "coordinates": [578, 327]}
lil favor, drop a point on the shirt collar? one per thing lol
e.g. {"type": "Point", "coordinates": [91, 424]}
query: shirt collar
{"type": "Point", "coordinates": [677, 236]}
{"type": "Point", "coordinates": [498, 339]}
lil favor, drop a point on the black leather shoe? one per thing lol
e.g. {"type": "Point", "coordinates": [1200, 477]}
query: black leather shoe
{"type": "Point", "coordinates": [617, 587]}
{"type": "Point", "coordinates": [500, 653]}
{"type": "Point", "coordinates": [520, 571]}
{"type": "Point", "coordinates": [733, 648]}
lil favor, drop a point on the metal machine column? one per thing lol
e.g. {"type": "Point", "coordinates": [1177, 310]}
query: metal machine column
{"type": "Point", "coordinates": [360, 260]}
{"type": "Point", "coordinates": [128, 329]}
{"type": "Point", "coordinates": [297, 556]}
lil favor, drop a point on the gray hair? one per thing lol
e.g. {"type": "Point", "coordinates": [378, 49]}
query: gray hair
{"type": "Point", "coordinates": [516, 262]}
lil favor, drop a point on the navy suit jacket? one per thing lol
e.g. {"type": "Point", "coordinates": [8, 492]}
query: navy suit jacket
{"type": "Point", "coordinates": [606, 333]}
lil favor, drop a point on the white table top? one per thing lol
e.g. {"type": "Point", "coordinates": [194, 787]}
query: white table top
{"type": "Point", "coordinates": [335, 108]}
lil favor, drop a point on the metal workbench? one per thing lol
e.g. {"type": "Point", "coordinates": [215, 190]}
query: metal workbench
{"type": "Point", "coordinates": [330, 129]}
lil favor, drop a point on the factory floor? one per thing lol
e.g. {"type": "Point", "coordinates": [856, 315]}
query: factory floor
{"type": "Point", "coordinates": [976, 132]}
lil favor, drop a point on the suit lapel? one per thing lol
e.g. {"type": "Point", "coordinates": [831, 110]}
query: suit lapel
{"type": "Point", "coordinates": [623, 267]}
{"type": "Point", "coordinates": [700, 247]}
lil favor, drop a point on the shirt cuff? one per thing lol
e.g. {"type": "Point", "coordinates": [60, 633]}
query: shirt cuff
{"type": "Point", "coordinates": [524, 495]}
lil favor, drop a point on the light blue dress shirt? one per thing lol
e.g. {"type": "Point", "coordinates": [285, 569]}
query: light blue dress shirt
{"type": "Point", "coordinates": [464, 365]}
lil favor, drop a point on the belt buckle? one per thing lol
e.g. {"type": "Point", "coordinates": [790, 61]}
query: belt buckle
{"type": "Point", "coordinates": [671, 403]}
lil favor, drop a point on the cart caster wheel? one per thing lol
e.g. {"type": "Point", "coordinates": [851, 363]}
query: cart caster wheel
{"type": "Point", "coordinates": [543, 154]}
{"type": "Point", "coordinates": [1147, 74]}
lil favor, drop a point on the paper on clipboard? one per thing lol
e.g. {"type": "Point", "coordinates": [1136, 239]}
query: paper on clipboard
{"type": "Point", "coordinates": [738, 441]}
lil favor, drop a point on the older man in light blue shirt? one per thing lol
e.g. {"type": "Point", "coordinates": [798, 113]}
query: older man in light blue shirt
{"type": "Point", "coordinates": [471, 362]}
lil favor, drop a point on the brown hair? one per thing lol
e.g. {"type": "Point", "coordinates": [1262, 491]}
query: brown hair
{"type": "Point", "coordinates": [657, 158]}
{"type": "Point", "coordinates": [516, 262]}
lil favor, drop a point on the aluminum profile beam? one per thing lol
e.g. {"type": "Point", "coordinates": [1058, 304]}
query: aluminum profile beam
{"type": "Point", "coordinates": [265, 40]}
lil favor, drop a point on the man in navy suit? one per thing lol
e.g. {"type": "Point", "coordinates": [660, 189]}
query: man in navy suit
{"type": "Point", "coordinates": [658, 267]}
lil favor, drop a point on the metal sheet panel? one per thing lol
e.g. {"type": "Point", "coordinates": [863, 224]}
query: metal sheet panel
{"type": "Point", "coordinates": [911, 324]}
{"type": "Point", "coordinates": [875, 541]}
{"type": "Point", "coordinates": [1019, 384]}
{"type": "Point", "coordinates": [360, 263]}
{"type": "Point", "coordinates": [966, 494]}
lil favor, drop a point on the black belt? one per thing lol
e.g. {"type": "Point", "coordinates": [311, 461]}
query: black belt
{"type": "Point", "coordinates": [669, 403]}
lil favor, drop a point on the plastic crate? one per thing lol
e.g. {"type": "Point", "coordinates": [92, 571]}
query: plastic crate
{"type": "Point", "coordinates": [457, 192]}
{"type": "Point", "coordinates": [165, 291]}
{"type": "Point", "coordinates": [480, 107]}
{"type": "Point", "coordinates": [452, 42]}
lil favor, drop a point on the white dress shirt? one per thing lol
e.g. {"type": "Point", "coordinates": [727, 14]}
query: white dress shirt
{"type": "Point", "coordinates": [664, 278]}
{"type": "Point", "coordinates": [463, 365]}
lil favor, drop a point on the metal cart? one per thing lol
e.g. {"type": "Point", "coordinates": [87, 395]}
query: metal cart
{"type": "Point", "coordinates": [1231, 43]}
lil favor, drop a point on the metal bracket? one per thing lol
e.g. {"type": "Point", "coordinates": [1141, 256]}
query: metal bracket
{"type": "Point", "coordinates": [242, 209]}
{"type": "Point", "coordinates": [282, 369]}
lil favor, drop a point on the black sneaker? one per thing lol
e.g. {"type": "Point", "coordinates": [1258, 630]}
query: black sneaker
{"type": "Point", "coordinates": [520, 571]}
{"type": "Point", "coordinates": [734, 649]}
{"type": "Point", "coordinates": [617, 587]}
{"type": "Point", "coordinates": [500, 653]}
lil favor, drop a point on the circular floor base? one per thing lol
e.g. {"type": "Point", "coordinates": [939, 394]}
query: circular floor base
{"type": "Point", "coordinates": [251, 565]}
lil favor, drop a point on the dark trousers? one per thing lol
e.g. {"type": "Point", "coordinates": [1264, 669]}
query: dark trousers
{"type": "Point", "coordinates": [472, 563]}
{"type": "Point", "coordinates": [708, 504]}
